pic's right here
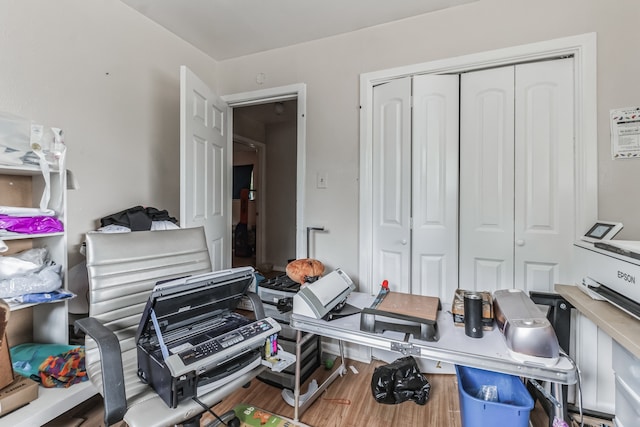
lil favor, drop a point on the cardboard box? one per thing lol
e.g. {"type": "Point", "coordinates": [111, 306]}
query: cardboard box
{"type": "Point", "coordinates": [457, 309]}
{"type": "Point", "coordinates": [6, 367]}
{"type": "Point", "coordinates": [590, 421]}
{"type": "Point", "coordinates": [17, 394]}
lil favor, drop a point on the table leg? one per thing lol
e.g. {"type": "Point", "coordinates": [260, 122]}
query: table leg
{"type": "Point", "coordinates": [560, 409]}
{"type": "Point", "coordinates": [296, 390]}
{"type": "Point", "coordinates": [299, 408]}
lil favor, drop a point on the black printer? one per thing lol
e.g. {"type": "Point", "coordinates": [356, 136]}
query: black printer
{"type": "Point", "coordinates": [190, 340]}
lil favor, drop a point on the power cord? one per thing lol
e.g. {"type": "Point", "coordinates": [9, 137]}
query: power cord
{"type": "Point", "coordinates": [575, 365]}
{"type": "Point", "coordinates": [208, 409]}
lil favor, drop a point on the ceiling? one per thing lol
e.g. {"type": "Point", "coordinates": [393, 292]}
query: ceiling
{"type": "Point", "coordinates": [226, 29]}
{"type": "Point", "coordinates": [267, 114]}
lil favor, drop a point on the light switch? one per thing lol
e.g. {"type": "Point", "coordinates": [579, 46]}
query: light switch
{"type": "Point", "coordinates": [321, 180]}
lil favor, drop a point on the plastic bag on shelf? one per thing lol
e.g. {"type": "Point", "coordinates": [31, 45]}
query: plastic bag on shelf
{"type": "Point", "coordinates": [28, 272]}
{"type": "Point", "coordinates": [41, 297]}
{"type": "Point", "coordinates": [22, 263]}
{"type": "Point", "coordinates": [47, 279]}
{"type": "Point", "coordinates": [31, 224]}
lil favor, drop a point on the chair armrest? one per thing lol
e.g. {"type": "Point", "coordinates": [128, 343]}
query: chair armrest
{"type": "Point", "coordinates": [258, 308]}
{"type": "Point", "coordinates": [113, 391]}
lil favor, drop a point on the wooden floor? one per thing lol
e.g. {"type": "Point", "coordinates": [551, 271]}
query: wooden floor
{"type": "Point", "coordinates": [348, 402]}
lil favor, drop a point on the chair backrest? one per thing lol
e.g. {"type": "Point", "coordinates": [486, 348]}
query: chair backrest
{"type": "Point", "coordinates": [123, 269]}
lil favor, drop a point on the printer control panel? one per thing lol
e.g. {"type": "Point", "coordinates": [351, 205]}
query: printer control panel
{"type": "Point", "coordinates": [252, 335]}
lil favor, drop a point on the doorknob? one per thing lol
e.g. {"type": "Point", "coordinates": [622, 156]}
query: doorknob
{"type": "Point", "coordinates": [403, 241]}
{"type": "Point", "coordinates": [520, 242]}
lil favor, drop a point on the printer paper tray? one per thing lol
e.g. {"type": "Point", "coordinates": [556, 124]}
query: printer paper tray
{"type": "Point", "coordinates": [227, 372]}
{"type": "Point", "coordinates": [618, 300]}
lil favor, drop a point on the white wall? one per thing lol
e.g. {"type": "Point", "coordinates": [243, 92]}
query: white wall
{"type": "Point", "coordinates": [280, 234]}
{"type": "Point", "coordinates": [109, 78]}
{"type": "Point", "coordinates": [331, 69]}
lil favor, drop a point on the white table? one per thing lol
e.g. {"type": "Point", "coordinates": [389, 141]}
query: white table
{"type": "Point", "coordinates": [453, 346]}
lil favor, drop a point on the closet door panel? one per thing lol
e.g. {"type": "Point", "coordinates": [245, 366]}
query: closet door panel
{"type": "Point", "coordinates": [486, 179]}
{"type": "Point", "coordinates": [488, 272]}
{"type": "Point", "coordinates": [435, 122]}
{"type": "Point", "coordinates": [392, 184]}
{"type": "Point", "coordinates": [544, 201]}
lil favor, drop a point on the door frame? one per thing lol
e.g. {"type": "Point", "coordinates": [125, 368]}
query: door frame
{"type": "Point", "coordinates": [581, 47]}
{"type": "Point", "coordinates": [283, 93]}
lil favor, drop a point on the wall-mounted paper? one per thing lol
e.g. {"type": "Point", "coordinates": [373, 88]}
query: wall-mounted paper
{"type": "Point", "coordinates": [625, 133]}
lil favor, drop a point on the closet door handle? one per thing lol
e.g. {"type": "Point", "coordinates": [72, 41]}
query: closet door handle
{"type": "Point", "coordinates": [403, 241]}
{"type": "Point", "coordinates": [520, 242]}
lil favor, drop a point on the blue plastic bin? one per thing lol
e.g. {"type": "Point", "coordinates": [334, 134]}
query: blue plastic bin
{"type": "Point", "coordinates": [512, 408]}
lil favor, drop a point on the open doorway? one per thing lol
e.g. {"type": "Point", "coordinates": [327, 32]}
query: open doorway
{"type": "Point", "coordinates": [264, 212]}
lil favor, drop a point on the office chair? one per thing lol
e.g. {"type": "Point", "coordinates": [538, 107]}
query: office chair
{"type": "Point", "coordinates": [123, 269]}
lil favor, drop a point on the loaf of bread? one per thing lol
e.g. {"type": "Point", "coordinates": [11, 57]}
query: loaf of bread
{"type": "Point", "coordinates": [305, 270]}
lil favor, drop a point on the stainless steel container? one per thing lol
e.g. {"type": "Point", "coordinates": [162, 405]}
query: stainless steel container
{"type": "Point", "coordinates": [473, 314]}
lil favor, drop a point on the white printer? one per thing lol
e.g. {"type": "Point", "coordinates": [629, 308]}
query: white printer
{"type": "Point", "coordinates": [320, 298]}
{"type": "Point", "coordinates": [610, 270]}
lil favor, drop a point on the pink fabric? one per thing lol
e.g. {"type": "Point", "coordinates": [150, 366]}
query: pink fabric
{"type": "Point", "coordinates": [31, 224]}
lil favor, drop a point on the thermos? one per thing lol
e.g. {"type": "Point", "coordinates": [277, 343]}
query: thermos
{"type": "Point", "coordinates": [473, 314]}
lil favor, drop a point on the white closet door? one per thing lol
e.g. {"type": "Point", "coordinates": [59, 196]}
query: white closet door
{"type": "Point", "coordinates": [205, 172]}
{"type": "Point", "coordinates": [434, 251]}
{"type": "Point", "coordinates": [392, 184]}
{"type": "Point", "coordinates": [486, 179]}
{"type": "Point", "coordinates": [544, 193]}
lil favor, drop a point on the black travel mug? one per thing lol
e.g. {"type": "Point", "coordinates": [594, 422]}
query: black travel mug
{"type": "Point", "coordinates": [473, 314]}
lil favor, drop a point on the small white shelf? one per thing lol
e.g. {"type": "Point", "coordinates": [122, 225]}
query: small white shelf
{"type": "Point", "coordinates": [27, 170]}
{"type": "Point", "coordinates": [281, 361]}
{"type": "Point", "coordinates": [15, 307]}
{"type": "Point", "coordinates": [51, 403]}
{"type": "Point", "coordinates": [20, 236]}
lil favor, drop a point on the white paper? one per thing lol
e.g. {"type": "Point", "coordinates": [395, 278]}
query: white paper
{"type": "Point", "coordinates": [625, 133]}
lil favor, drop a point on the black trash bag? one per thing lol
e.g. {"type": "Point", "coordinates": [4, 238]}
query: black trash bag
{"type": "Point", "coordinates": [400, 381]}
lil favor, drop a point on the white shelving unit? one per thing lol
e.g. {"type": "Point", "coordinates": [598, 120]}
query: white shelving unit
{"type": "Point", "coordinates": [23, 187]}
{"type": "Point", "coordinates": [41, 323]}
{"type": "Point", "coordinates": [49, 404]}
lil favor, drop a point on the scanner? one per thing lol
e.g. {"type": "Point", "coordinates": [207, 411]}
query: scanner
{"type": "Point", "coordinates": [319, 298]}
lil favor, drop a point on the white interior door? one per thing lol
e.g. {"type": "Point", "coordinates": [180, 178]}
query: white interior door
{"type": "Point", "coordinates": [544, 174]}
{"type": "Point", "coordinates": [205, 172]}
{"type": "Point", "coordinates": [392, 184]}
{"type": "Point", "coordinates": [434, 239]}
{"type": "Point", "coordinates": [486, 179]}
